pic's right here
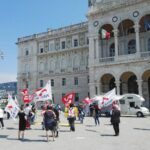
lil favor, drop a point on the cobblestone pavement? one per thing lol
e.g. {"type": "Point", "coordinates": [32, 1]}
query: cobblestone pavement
{"type": "Point", "coordinates": [134, 135]}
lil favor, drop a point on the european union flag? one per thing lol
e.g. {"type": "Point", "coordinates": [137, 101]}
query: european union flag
{"type": "Point", "coordinates": [146, 24]}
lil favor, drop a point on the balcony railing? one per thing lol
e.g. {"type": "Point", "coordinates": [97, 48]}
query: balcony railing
{"type": "Point", "coordinates": [145, 54]}
{"type": "Point", "coordinates": [126, 58]}
{"type": "Point", "coordinates": [109, 5]}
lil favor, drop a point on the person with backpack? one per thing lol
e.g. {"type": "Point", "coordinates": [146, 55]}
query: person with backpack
{"type": "Point", "coordinates": [71, 117]}
{"type": "Point", "coordinates": [49, 121]}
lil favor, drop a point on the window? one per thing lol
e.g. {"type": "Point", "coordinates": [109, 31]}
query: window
{"type": "Point", "coordinates": [27, 84]}
{"type": "Point", "coordinates": [130, 30]}
{"type": "Point", "coordinates": [63, 94]}
{"type": "Point", "coordinates": [52, 98]}
{"type": "Point", "coordinates": [27, 52]}
{"type": "Point", "coordinates": [41, 50]}
{"type": "Point", "coordinates": [41, 83]}
{"type": "Point", "coordinates": [88, 94]}
{"type": "Point", "coordinates": [87, 41]}
{"type": "Point", "coordinates": [112, 50]}
{"type": "Point", "coordinates": [132, 47]}
{"type": "Point", "coordinates": [149, 44]}
{"type": "Point", "coordinates": [75, 80]}
{"type": "Point", "coordinates": [52, 82]}
{"type": "Point", "coordinates": [96, 90]}
{"type": "Point", "coordinates": [63, 45]}
{"type": "Point", "coordinates": [129, 97]}
{"type": "Point", "coordinates": [76, 97]}
{"type": "Point", "coordinates": [63, 81]}
{"type": "Point", "coordinates": [132, 104]}
{"type": "Point", "coordinates": [75, 42]}
{"type": "Point", "coordinates": [122, 101]}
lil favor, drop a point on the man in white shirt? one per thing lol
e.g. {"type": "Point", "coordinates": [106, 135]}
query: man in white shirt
{"type": "Point", "coordinates": [1, 117]}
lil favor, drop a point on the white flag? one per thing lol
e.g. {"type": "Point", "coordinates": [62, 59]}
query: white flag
{"type": "Point", "coordinates": [44, 93]}
{"type": "Point", "coordinates": [11, 107]}
{"type": "Point", "coordinates": [108, 98]}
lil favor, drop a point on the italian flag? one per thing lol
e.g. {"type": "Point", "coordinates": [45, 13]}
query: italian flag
{"type": "Point", "coordinates": [104, 34]}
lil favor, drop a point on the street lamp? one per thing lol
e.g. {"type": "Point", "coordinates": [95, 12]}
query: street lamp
{"type": "Point", "coordinates": [1, 55]}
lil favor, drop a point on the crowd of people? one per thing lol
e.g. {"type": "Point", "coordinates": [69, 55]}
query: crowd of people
{"type": "Point", "coordinates": [50, 114]}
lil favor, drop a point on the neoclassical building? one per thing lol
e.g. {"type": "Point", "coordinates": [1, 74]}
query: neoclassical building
{"type": "Point", "coordinates": [75, 59]}
{"type": "Point", "coordinates": [59, 55]}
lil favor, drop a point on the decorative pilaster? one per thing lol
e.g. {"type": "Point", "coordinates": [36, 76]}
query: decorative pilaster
{"type": "Point", "coordinates": [136, 28]}
{"type": "Point", "coordinates": [118, 87]}
{"type": "Point", "coordinates": [139, 82]}
{"type": "Point", "coordinates": [116, 42]}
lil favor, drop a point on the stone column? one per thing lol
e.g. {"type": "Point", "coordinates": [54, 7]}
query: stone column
{"type": "Point", "coordinates": [97, 47]}
{"type": "Point", "coordinates": [116, 42]}
{"type": "Point", "coordinates": [91, 51]}
{"type": "Point", "coordinates": [92, 89]}
{"type": "Point", "coordinates": [139, 82]}
{"type": "Point", "coordinates": [136, 27]}
{"type": "Point", "coordinates": [118, 87]}
{"type": "Point", "coordinates": [98, 88]}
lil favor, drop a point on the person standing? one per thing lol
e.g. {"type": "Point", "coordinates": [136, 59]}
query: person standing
{"type": "Point", "coordinates": [27, 111]}
{"type": "Point", "coordinates": [115, 119]}
{"type": "Point", "coordinates": [22, 123]}
{"type": "Point", "coordinates": [49, 121]}
{"type": "Point", "coordinates": [96, 113]}
{"type": "Point", "coordinates": [1, 117]}
{"type": "Point", "coordinates": [71, 117]}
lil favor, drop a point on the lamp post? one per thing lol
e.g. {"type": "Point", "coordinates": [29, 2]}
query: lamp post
{"type": "Point", "coordinates": [1, 54]}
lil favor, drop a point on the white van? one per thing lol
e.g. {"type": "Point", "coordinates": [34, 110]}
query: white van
{"type": "Point", "coordinates": [131, 104]}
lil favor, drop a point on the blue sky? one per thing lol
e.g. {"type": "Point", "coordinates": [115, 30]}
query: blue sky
{"type": "Point", "coordinates": [20, 18]}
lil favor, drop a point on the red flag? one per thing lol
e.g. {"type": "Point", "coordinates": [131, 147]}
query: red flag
{"type": "Point", "coordinates": [25, 94]}
{"type": "Point", "coordinates": [88, 101]}
{"type": "Point", "coordinates": [68, 99]}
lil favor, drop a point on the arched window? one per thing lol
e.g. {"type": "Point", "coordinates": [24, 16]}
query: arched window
{"type": "Point", "coordinates": [112, 50]}
{"type": "Point", "coordinates": [132, 85]}
{"type": "Point", "coordinates": [27, 52]}
{"type": "Point", "coordinates": [132, 47]}
{"type": "Point", "coordinates": [149, 44]}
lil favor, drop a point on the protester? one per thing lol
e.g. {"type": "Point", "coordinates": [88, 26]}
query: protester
{"type": "Point", "coordinates": [56, 111]}
{"type": "Point", "coordinates": [115, 119]}
{"type": "Point", "coordinates": [27, 111]}
{"type": "Point", "coordinates": [81, 113]}
{"type": "Point", "coordinates": [1, 117]}
{"type": "Point", "coordinates": [49, 121]}
{"type": "Point", "coordinates": [71, 117]}
{"type": "Point", "coordinates": [22, 123]}
{"type": "Point", "coordinates": [96, 113]}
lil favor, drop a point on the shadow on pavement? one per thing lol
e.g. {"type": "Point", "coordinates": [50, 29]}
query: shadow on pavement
{"type": "Point", "coordinates": [107, 135]}
{"type": "Point", "coordinates": [90, 125]}
{"type": "Point", "coordinates": [142, 129]}
{"type": "Point", "coordinates": [64, 130]}
{"type": "Point", "coordinates": [26, 140]}
{"type": "Point", "coordinates": [91, 130]}
{"type": "Point", "coordinates": [3, 136]}
{"type": "Point", "coordinates": [10, 128]}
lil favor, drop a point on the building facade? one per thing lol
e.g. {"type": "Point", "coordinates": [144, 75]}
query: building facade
{"type": "Point", "coordinates": [123, 60]}
{"type": "Point", "coordinates": [59, 55]}
{"type": "Point", "coordinates": [76, 59]}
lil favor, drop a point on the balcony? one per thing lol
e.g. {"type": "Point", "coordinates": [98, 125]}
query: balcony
{"type": "Point", "coordinates": [126, 58]}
